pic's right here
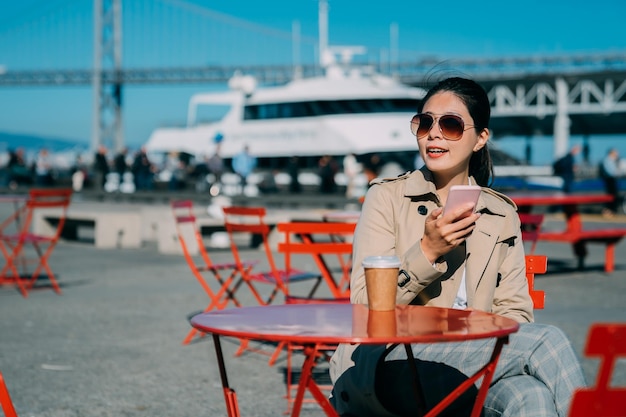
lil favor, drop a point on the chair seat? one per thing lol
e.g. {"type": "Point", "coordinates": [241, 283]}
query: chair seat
{"type": "Point", "coordinates": [294, 276]}
{"type": "Point", "coordinates": [226, 266]}
{"type": "Point", "coordinates": [27, 238]}
{"type": "Point", "coordinates": [240, 220]}
{"type": "Point", "coordinates": [227, 274]}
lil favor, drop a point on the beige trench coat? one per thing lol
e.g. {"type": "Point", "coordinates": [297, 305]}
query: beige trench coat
{"type": "Point", "coordinates": [392, 223]}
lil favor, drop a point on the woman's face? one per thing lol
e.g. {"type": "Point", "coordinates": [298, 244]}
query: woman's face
{"type": "Point", "coordinates": [444, 157]}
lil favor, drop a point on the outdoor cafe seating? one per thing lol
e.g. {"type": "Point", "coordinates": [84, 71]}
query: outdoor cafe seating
{"type": "Point", "coordinates": [249, 223]}
{"type": "Point", "coordinates": [203, 268]}
{"type": "Point", "coordinates": [21, 246]}
{"type": "Point", "coordinates": [316, 240]}
{"type": "Point", "coordinates": [244, 226]}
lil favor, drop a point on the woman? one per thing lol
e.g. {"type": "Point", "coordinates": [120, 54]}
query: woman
{"type": "Point", "coordinates": [465, 259]}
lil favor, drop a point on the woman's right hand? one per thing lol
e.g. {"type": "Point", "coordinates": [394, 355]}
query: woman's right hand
{"type": "Point", "coordinates": [444, 233]}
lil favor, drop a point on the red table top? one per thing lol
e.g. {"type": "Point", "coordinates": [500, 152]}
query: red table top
{"type": "Point", "coordinates": [556, 198]}
{"type": "Point", "coordinates": [353, 323]}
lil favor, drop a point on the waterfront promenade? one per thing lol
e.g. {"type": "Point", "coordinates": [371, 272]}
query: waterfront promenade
{"type": "Point", "coordinates": [110, 345]}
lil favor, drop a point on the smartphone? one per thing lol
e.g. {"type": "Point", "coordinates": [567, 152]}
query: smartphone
{"type": "Point", "coordinates": [460, 194]}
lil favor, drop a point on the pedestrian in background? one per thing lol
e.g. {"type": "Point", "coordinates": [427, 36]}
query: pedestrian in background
{"type": "Point", "coordinates": [351, 169]}
{"type": "Point", "coordinates": [101, 167]}
{"type": "Point", "coordinates": [327, 168]}
{"type": "Point", "coordinates": [294, 172]}
{"type": "Point", "coordinates": [143, 170]}
{"type": "Point", "coordinates": [608, 171]}
{"type": "Point", "coordinates": [19, 173]}
{"type": "Point", "coordinates": [565, 167]}
{"type": "Point", "coordinates": [215, 165]}
{"type": "Point", "coordinates": [119, 163]}
{"type": "Point", "coordinates": [43, 169]}
{"type": "Point", "coordinates": [243, 164]}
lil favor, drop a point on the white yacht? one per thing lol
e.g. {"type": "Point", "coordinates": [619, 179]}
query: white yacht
{"type": "Point", "coordinates": [348, 110]}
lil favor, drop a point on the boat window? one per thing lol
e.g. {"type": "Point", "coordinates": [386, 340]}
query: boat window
{"type": "Point", "coordinates": [210, 114]}
{"type": "Point", "coordinates": [327, 107]}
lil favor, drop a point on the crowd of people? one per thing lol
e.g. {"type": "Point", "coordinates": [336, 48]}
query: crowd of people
{"type": "Point", "coordinates": [179, 171]}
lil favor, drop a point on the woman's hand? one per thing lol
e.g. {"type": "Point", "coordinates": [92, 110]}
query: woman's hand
{"type": "Point", "coordinates": [444, 233]}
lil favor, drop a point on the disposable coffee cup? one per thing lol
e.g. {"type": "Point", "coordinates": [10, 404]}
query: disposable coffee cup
{"type": "Point", "coordinates": [381, 280]}
{"type": "Point", "coordinates": [381, 323]}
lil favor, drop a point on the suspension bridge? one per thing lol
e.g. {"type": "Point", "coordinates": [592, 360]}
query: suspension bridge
{"type": "Point", "coordinates": [110, 46]}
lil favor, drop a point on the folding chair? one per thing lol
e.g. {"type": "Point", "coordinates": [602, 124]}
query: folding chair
{"type": "Point", "coordinates": [319, 239]}
{"type": "Point", "coordinates": [531, 226]}
{"type": "Point", "coordinates": [5, 399]}
{"type": "Point", "coordinates": [536, 264]}
{"type": "Point", "coordinates": [188, 233]}
{"type": "Point", "coordinates": [607, 341]}
{"type": "Point", "coordinates": [251, 221]}
{"type": "Point", "coordinates": [14, 245]}
{"type": "Point", "coordinates": [321, 377]}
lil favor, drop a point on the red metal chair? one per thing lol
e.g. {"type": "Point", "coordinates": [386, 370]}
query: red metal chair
{"type": "Point", "coordinates": [203, 269]}
{"type": "Point", "coordinates": [608, 342]}
{"type": "Point", "coordinates": [536, 264]}
{"type": "Point", "coordinates": [531, 227]}
{"type": "Point", "coordinates": [320, 376]}
{"type": "Point", "coordinates": [5, 399]}
{"type": "Point", "coordinates": [318, 239]}
{"type": "Point", "coordinates": [250, 221]}
{"type": "Point", "coordinates": [18, 247]}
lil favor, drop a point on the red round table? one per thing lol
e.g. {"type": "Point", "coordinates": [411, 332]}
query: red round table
{"type": "Point", "coordinates": [313, 325]}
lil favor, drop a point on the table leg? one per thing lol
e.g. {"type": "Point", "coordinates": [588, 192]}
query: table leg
{"type": "Point", "coordinates": [573, 218]}
{"type": "Point", "coordinates": [306, 382]}
{"type": "Point", "coordinates": [486, 372]}
{"type": "Point", "coordinates": [490, 368]}
{"type": "Point", "coordinates": [609, 257]}
{"type": "Point", "coordinates": [230, 397]}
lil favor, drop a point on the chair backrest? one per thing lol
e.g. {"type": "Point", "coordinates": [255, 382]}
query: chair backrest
{"type": "Point", "coordinates": [608, 342]}
{"type": "Point", "coordinates": [249, 220]}
{"type": "Point", "coordinates": [536, 264]}
{"type": "Point", "coordinates": [531, 227]}
{"type": "Point", "coordinates": [317, 239]}
{"type": "Point", "coordinates": [5, 399]}
{"type": "Point", "coordinates": [44, 199]}
{"type": "Point", "coordinates": [187, 229]}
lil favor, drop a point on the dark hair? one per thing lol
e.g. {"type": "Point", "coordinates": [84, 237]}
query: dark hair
{"type": "Point", "coordinates": [475, 99]}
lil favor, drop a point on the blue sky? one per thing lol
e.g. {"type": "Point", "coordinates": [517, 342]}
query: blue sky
{"type": "Point", "coordinates": [45, 34]}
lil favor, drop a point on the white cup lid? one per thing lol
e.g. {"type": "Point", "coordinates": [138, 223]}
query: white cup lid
{"type": "Point", "coordinates": [381, 262]}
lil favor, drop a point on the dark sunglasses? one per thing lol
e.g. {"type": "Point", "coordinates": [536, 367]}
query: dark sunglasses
{"type": "Point", "coordinates": [450, 125]}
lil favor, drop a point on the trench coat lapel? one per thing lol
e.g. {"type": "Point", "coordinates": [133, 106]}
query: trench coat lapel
{"type": "Point", "coordinates": [480, 246]}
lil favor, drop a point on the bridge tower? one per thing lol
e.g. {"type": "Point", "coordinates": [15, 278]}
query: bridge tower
{"type": "Point", "coordinates": [107, 75]}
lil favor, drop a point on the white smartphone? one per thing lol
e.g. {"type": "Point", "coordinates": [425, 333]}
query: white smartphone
{"type": "Point", "coordinates": [460, 194]}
